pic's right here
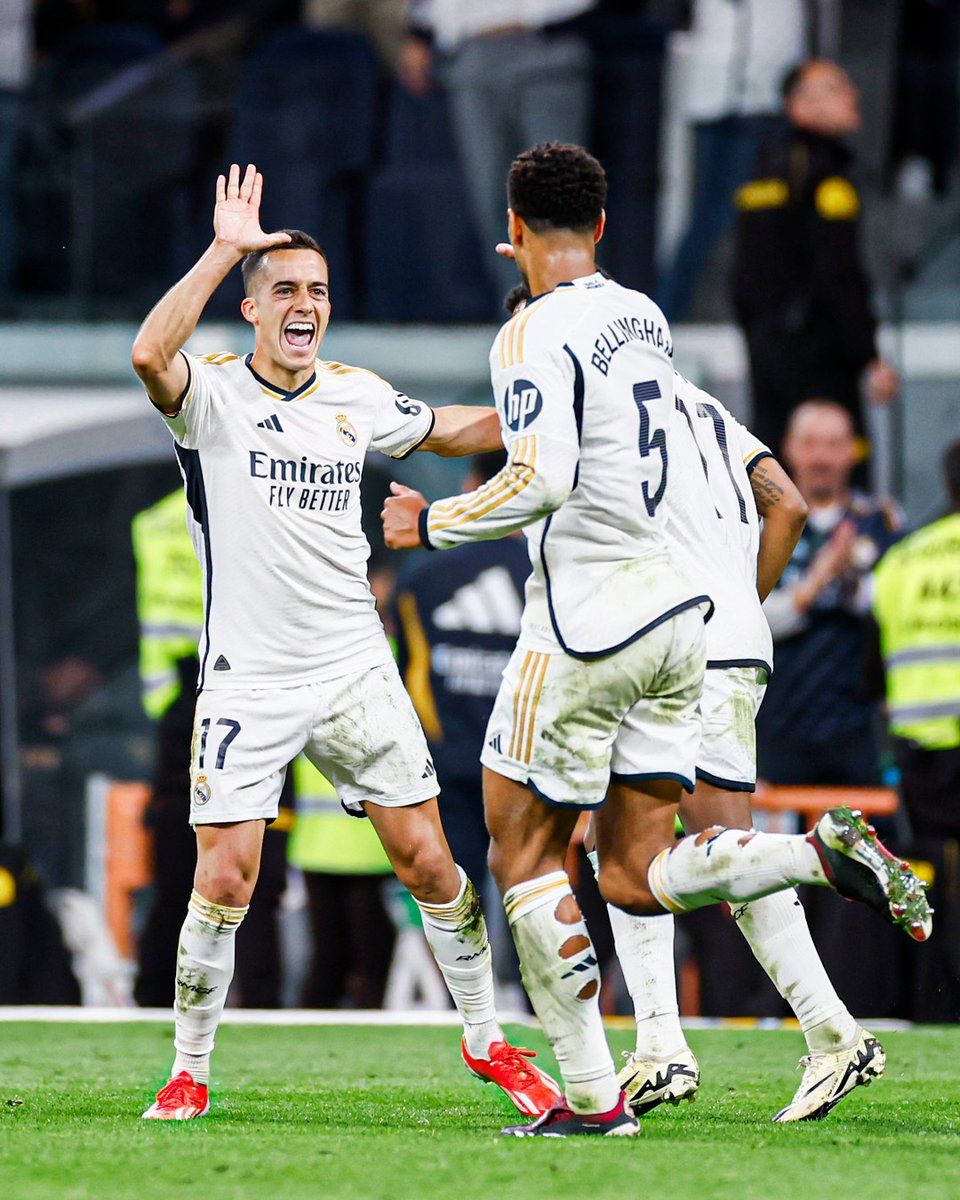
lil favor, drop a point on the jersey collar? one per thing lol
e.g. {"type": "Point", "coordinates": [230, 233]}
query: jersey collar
{"type": "Point", "coordinates": [597, 279]}
{"type": "Point", "coordinates": [279, 393]}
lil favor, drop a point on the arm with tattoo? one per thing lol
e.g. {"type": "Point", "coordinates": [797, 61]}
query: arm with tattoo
{"type": "Point", "coordinates": [784, 513]}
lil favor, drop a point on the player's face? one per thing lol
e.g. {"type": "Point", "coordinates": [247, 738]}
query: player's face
{"type": "Point", "coordinates": [289, 306]}
{"type": "Point", "coordinates": [821, 453]}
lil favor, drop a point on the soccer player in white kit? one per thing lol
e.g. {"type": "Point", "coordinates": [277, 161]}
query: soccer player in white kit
{"type": "Point", "coordinates": [731, 481]}
{"type": "Point", "coordinates": [599, 705]}
{"type": "Point", "coordinates": [293, 656]}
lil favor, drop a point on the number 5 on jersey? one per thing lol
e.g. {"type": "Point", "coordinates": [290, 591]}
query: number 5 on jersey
{"type": "Point", "coordinates": [643, 393]}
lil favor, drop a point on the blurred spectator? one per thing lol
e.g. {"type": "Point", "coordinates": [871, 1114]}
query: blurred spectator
{"type": "Point", "coordinates": [816, 725]}
{"type": "Point", "coordinates": [383, 22]}
{"type": "Point", "coordinates": [344, 871]}
{"type": "Point", "coordinates": [925, 119]}
{"type": "Point", "coordinates": [517, 72]}
{"type": "Point", "coordinates": [16, 54]}
{"type": "Point", "coordinates": [170, 611]}
{"type": "Point", "coordinates": [800, 292]}
{"type": "Point", "coordinates": [459, 617]}
{"type": "Point", "coordinates": [917, 607]}
{"type": "Point", "coordinates": [738, 54]}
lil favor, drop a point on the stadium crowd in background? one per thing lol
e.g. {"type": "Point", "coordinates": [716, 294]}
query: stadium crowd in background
{"type": "Point", "coordinates": [811, 337]}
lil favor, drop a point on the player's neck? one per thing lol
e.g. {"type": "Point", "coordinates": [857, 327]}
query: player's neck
{"type": "Point", "coordinates": [279, 377]}
{"type": "Point", "coordinates": [561, 264]}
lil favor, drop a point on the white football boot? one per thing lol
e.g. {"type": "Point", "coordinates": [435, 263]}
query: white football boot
{"type": "Point", "coordinates": [649, 1082]}
{"type": "Point", "coordinates": [828, 1076]}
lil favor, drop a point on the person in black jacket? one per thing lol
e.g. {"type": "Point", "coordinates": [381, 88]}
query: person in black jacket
{"type": "Point", "coordinates": [800, 291]}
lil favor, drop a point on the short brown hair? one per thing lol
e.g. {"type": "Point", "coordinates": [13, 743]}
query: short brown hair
{"type": "Point", "coordinates": [298, 241]}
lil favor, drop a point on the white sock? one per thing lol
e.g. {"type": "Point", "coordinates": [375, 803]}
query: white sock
{"type": "Point", "coordinates": [204, 973]}
{"type": "Point", "coordinates": [562, 979]}
{"type": "Point", "coordinates": [457, 934]}
{"type": "Point", "coordinates": [776, 928]}
{"type": "Point", "coordinates": [734, 864]}
{"type": "Point", "coordinates": [645, 953]}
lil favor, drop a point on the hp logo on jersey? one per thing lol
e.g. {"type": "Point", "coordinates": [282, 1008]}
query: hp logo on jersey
{"type": "Point", "coordinates": [521, 404]}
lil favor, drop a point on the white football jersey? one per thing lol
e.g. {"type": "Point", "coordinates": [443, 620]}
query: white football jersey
{"type": "Point", "coordinates": [583, 382]}
{"type": "Point", "coordinates": [713, 522]}
{"type": "Point", "coordinates": [273, 495]}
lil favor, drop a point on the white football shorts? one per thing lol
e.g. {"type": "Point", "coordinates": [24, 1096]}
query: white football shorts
{"type": "Point", "coordinates": [563, 726]}
{"type": "Point", "coordinates": [728, 752]}
{"type": "Point", "coordinates": [360, 731]}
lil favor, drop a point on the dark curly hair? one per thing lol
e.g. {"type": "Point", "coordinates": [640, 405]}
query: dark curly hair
{"type": "Point", "coordinates": [557, 186]}
{"type": "Point", "coordinates": [515, 297]}
{"type": "Point", "coordinates": [298, 241]}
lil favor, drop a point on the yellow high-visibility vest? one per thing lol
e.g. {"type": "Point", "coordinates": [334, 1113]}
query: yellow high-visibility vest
{"type": "Point", "coordinates": [169, 598]}
{"type": "Point", "coordinates": [917, 606]}
{"type": "Point", "coordinates": [324, 837]}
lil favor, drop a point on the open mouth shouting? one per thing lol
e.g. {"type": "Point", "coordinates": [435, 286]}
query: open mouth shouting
{"type": "Point", "coordinates": [299, 335]}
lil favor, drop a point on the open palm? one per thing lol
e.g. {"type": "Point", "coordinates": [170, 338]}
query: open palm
{"type": "Point", "coordinates": [236, 216]}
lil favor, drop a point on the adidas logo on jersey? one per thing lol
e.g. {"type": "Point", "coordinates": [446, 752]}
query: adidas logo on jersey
{"type": "Point", "coordinates": [271, 422]}
{"type": "Point", "coordinates": [494, 743]}
{"type": "Point", "coordinates": [490, 604]}
{"type": "Point", "coordinates": [430, 771]}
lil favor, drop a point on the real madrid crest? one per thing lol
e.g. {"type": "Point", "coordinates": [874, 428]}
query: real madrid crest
{"type": "Point", "coordinates": [201, 790]}
{"type": "Point", "coordinates": [348, 434]}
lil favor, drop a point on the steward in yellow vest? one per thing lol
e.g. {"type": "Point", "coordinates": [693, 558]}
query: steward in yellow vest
{"type": "Point", "coordinates": [917, 608]}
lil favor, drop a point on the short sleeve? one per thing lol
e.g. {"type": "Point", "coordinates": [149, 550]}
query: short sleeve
{"type": "Point", "coordinates": [543, 395]}
{"type": "Point", "coordinates": [193, 424]}
{"type": "Point", "coordinates": [400, 424]}
{"type": "Point", "coordinates": [748, 447]}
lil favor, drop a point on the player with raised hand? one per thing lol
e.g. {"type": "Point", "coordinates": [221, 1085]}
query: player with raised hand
{"type": "Point", "coordinates": [293, 657]}
{"type": "Point", "coordinates": [599, 707]}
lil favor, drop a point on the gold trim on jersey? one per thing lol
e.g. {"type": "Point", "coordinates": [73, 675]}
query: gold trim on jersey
{"type": "Point", "coordinates": [511, 341]}
{"type": "Point", "coordinates": [515, 476]}
{"type": "Point", "coordinates": [335, 368]}
{"type": "Point", "coordinates": [220, 358]}
{"type": "Point", "coordinates": [525, 701]}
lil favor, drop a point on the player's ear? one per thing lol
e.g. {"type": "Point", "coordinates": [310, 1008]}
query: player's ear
{"type": "Point", "coordinates": [515, 228]}
{"type": "Point", "coordinates": [248, 307]}
{"type": "Point", "coordinates": [601, 226]}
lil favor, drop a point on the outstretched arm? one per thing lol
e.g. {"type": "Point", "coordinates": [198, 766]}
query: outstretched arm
{"type": "Point", "coordinates": [784, 513]}
{"type": "Point", "coordinates": [462, 429]}
{"type": "Point", "coordinates": [236, 226]}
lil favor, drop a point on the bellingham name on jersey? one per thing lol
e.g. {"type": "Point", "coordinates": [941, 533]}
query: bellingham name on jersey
{"type": "Point", "coordinates": [584, 386]}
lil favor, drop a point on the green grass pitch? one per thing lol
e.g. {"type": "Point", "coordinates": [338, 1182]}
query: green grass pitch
{"type": "Point", "coordinates": [346, 1111]}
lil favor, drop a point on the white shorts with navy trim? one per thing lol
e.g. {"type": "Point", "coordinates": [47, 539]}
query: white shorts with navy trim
{"type": "Point", "coordinates": [728, 752]}
{"type": "Point", "coordinates": [360, 731]}
{"type": "Point", "coordinates": [563, 726]}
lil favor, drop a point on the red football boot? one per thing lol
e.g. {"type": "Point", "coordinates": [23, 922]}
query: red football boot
{"type": "Point", "coordinates": [180, 1099]}
{"type": "Point", "coordinates": [532, 1091]}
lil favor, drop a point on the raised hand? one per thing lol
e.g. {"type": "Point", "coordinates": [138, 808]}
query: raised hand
{"type": "Point", "coordinates": [236, 215]}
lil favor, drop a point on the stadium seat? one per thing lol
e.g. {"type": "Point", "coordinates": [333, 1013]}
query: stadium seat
{"type": "Point", "coordinates": [418, 128]}
{"type": "Point", "coordinates": [422, 257]}
{"type": "Point", "coordinates": [300, 90]}
{"type": "Point", "coordinates": [629, 54]}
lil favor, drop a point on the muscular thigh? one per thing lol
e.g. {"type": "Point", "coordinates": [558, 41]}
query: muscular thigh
{"type": "Point", "coordinates": [528, 837]}
{"type": "Point", "coordinates": [635, 824]}
{"type": "Point", "coordinates": [366, 739]}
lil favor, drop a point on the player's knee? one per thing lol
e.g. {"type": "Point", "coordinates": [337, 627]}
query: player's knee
{"type": "Point", "coordinates": [627, 891]}
{"type": "Point", "coordinates": [426, 869]}
{"type": "Point", "coordinates": [226, 882]}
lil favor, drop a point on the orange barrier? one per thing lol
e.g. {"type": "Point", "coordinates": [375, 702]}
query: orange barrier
{"type": "Point", "coordinates": [812, 802]}
{"type": "Point", "coordinates": [128, 860]}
